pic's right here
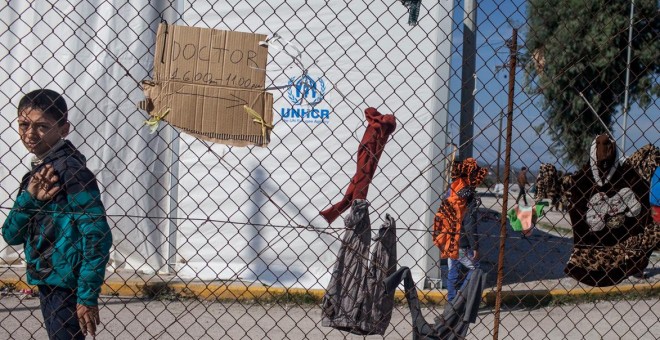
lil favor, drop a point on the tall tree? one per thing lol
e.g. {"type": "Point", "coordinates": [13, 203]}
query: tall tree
{"type": "Point", "coordinates": [581, 46]}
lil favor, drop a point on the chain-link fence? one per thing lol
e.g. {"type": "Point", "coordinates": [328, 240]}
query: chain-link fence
{"type": "Point", "coordinates": [213, 241]}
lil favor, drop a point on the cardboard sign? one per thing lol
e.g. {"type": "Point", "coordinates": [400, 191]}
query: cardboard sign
{"type": "Point", "coordinates": [204, 77]}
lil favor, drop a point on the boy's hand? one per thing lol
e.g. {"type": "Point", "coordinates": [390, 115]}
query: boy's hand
{"type": "Point", "coordinates": [88, 317]}
{"type": "Point", "coordinates": [43, 185]}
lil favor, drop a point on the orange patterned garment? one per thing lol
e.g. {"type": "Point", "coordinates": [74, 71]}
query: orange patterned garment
{"type": "Point", "coordinates": [448, 219]}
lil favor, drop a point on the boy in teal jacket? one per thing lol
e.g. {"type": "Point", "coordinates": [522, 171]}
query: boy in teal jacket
{"type": "Point", "coordinates": [59, 218]}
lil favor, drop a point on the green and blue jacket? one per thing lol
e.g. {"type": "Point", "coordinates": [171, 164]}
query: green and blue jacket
{"type": "Point", "coordinates": [67, 239]}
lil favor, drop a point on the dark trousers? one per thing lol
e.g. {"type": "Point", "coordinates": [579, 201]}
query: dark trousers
{"type": "Point", "coordinates": [58, 306]}
{"type": "Point", "coordinates": [522, 194]}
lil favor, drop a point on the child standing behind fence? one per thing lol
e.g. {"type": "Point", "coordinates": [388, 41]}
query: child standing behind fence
{"type": "Point", "coordinates": [59, 218]}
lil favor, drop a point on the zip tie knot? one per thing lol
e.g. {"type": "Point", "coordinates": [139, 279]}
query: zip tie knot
{"type": "Point", "coordinates": [152, 122]}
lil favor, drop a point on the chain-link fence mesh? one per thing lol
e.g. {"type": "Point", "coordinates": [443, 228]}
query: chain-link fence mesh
{"type": "Point", "coordinates": [212, 241]}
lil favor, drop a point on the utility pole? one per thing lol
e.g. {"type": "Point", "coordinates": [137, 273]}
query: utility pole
{"type": "Point", "coordinates": [468, 74]}
{"type": "Point", "coordinates": [625, 96]}
{"type": "Point", "coordinates": [513, 47]}
{"type": "Point", "coordinates": [499, 148]}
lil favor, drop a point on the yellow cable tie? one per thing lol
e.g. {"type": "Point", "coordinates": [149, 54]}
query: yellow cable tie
{"type": "Point", "coordinates": [152, 123]}
{"type": "Point", "coordinates": [256, 118]}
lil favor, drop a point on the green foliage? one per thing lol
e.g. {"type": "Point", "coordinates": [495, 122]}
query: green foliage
{"type": "Point", "coordinates": [584, 48]}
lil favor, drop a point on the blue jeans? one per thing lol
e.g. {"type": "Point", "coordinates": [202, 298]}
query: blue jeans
{"type": "Point", "coordinates": [58, 306]}
{"type": "Point", "coordinates": [456, 276]}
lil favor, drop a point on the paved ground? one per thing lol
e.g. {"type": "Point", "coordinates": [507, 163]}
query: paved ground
{"type": "Point", "coordinates": [536, 262]}
{"type": "Point", "coordinates": [137, 319]}
{"type": "Point", "coordinates": [532, 264]}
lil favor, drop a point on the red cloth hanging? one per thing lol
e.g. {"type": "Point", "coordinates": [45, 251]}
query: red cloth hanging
{"type": "Point", "coordinates": [379, 128]}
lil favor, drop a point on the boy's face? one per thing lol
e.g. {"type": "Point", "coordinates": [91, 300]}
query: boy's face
{"type": "Point", "coordinates": [39, 132]}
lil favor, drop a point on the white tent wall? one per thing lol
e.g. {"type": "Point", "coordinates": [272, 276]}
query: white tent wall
{"type": "Point", "coordinates": [252, 198]}
{"type": "Point", "coordinates": [78, 47]}
{"type": "Point", "coordinates": [237, 208]}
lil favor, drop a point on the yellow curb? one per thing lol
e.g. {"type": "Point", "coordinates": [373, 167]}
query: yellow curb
{"type": "Point", "coordinates": [240, 292]}
{"type": "Point", "coordinates": [607, 290]}
{"type": "Point", "coordinates": [19, 284]}
{"type": "Point", "coordinates": [542, 295]}
{"type": "Point", "coordinates": [214, 291]}
{"type": "Point", "coordinates": [217, 291]}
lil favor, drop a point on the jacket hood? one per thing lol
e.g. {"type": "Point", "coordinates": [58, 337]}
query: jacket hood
{"type": "Point", "coordinates": [593, 162]}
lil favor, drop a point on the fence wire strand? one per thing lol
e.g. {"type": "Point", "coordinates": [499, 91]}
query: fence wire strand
{"type": "Point", "coordinates": [217, 241]}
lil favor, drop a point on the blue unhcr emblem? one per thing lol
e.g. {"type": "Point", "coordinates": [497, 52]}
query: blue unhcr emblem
{"type": "Point", "coordinates": [306, 89]}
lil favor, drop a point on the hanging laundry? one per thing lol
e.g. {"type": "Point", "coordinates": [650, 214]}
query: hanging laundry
{"type": "Point", "coordinates": [515, 223]}
{"type": "Point", "coordinates": [466, 175]}
{"type": "Point", "coordinates": [360, 295]}
{"type": "Point", "coordinates": [356, 300]}
{"type": "Point", "coordinates": [565, 184]}
{"type": "Point", "coordinates": [457, 315]}
{"type": "Point", "coordinates": [547, 183]}
{"type": "Point", "coordinates": [613, 232]}
{"type": "Point", "coordinates": [525, 214]}
{"type": "Point", "coordinates": [645, 161]}
{"type": "Point", "coordinates": [655, 195]}
{"type": "Point", "coordinates": [655, 188]}
{"type": "Point", "coordinates": [524, 218]}
{"type": "Point", "coordinates": [413, 10]}
{"type": "Point", "coordinates": [379, 128]}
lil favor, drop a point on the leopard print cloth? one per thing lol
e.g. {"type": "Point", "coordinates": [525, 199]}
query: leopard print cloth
{"type": "Point", "coordinates": [547, 182]}
{"type": "Point", "coordinates": [645, 161]}
{"type": "Point", "coordinates": [566, 182]}
{"type": "Point", "coordinates": [617, 256]}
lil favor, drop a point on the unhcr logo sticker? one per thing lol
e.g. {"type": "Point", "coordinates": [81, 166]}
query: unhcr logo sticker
{"type": "Point", "coordinates": [306, 89]}
{"type": "Point", "coordinates": [306, 96]}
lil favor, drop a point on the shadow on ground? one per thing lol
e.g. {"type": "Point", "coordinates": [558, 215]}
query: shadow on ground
{"type": "Point", "coordinates": [540, 256]}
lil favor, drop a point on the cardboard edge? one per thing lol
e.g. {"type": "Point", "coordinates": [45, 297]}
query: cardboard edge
{"type": "Point", "coordinates": [268, 116]}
